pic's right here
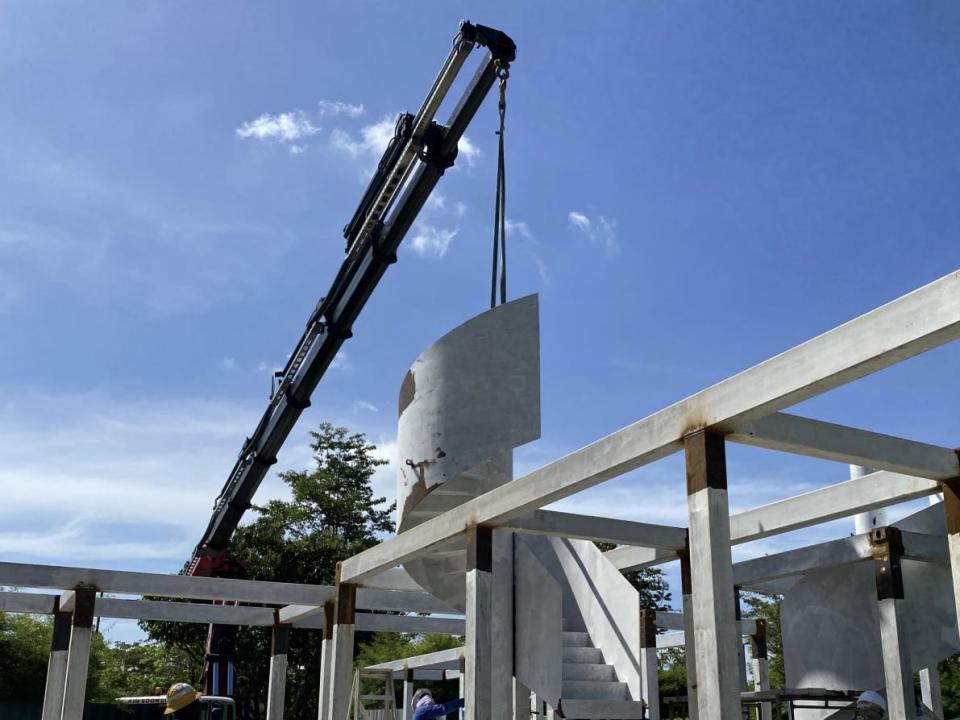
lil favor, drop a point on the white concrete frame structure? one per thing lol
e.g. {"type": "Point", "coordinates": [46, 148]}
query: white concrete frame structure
{"type": "Point", "coordinates": [745, 408]}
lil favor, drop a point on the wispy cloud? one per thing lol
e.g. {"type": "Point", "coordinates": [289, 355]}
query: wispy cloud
{"type": "Point", "coordinates": [521, 230]}
{"type": "Point", "coordinates": [228, 363]}
{"type": "Point", "coordinates": [468, 151]}
{"type": "Point", "coordinates": [430, 241]}
{"type": "Point", "coordinates": [341, 361]}
{"type": "Point", "coordinates": [364, 405]}
{"type": "Point", "coordinates": [338, 107]}
{"type": "Point", "coordinates": [284, 128]}
{"type": "Point", "coordinates": [371, 141]}
{"type": "Point", "coordinates": [602, 231]}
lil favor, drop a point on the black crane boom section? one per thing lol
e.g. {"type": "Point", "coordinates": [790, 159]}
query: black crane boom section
{"type": "Point", "coordinates": [417, 156]}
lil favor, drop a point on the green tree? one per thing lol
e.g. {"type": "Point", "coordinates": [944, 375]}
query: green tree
{"type": "Point", "coordinates": [650, 583]}
{"type": "Point", "coordinates": [767, 607]}
{"type": "Point", "coordinates": [24, 646]}
{"type": "Point", "coordinates": [332, 515]}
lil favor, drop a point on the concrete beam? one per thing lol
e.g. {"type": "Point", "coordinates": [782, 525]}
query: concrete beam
{"type": "Point", "coordinates": [815, 438]}
{"type": "Point", "coordinates": [917, 322]}
{"type": "Point", "coordinates": [439, 660]}
{"type": "Point", "coordinates": [599, 529]}
{"type": "Point", "coordinates": [137, 583]}
{"type": "Point", "coordinates": [21, 602]}
{"type": "Point", "coordinates": [878, 489]}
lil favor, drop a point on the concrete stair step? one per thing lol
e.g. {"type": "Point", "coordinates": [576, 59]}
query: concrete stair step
{"type": "Point", "coordinates": [588, 671]}
{"type": "Point", "coordinates": [576, 709]}
{"type": "Point", "coordinates": [576, 639]}
{"type": "Point", "coordinates": [595, 690]}
{"type": "Point", "coordinates": [582, 655]}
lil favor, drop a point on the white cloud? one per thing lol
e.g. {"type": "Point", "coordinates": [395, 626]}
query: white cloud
{"type": "Point", "coordinates": [364, 405]}
{"type": "Point", "coordinates": [298, 149]}
{"type": "Point", "coordinates": [602, 231]}
{"type": "Point", "coordinates": [285, 127]}
{"type": "Point", "coordinates": [460, 208]}
{"type": "Point", "coordinates": [341, 361]}
{"type": "Point", "coordinates": [431, 241]}
{"type": "Point", "coordinates": [468, 151]}
{"type": "Point", "coordinates": [373, 139]}
{"type": "Point", "coordinates": [338, 107]}
{"type": "Point", "coordinates": [436, 201]}
{"type": "Point", "coordinates": [228, 363]}
{"type": "Point", "coordinates": [518, 227]}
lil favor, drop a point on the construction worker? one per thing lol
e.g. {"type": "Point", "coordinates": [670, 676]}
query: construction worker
{"type": "Point", "coordinates": [871, 706]}
{"type": "Point", "coordinates": [182, 700]}
{"type": "Point", "coordinates": [424, 706]}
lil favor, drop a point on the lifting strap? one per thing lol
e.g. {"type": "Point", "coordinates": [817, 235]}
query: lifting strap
{"type": "Point", "coordinates": [500, 209]}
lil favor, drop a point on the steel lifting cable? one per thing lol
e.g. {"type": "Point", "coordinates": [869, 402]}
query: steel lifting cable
{"type": "Point", "coordinates": [500, 209]}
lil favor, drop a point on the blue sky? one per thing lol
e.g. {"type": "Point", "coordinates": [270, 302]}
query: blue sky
{"type": "Point", "coordinates": [692, 188]}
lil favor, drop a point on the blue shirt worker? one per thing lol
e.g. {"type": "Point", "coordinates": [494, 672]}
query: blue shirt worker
{"type": "Point", "coordinates": [424, 706]}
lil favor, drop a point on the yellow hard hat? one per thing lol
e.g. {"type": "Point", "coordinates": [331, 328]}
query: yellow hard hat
{"type": "Point", "coordinates": [179, 696]}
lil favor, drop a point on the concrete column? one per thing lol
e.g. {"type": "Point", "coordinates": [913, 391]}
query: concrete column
{"type": "Point", "coordinates": [407, 712]}
{"type": "Point", "coordinates": [761, 671]}
{"type": "Point", "coordinates": [887, 551]}
{"type": "Point", "coordinates": [649, 681]}
{"type": "Point", "coordinates": [501, 625]}
{"type": "Point", "coordinates": [326, 662]}
{"type": "Point", "coordinates": [478, 690]}
{"type": "Point", "coordinates": [521, 701]}
{"type": "Point", "coordinates": [711, 569]}
{"type": "Point", "coordinates": [57, 667]}
{"type": "Point", "coordinates": [462, 679]}
{"type": "Point", "coordinates": [951, 507]}
{"type": "Point", "coordinates": [341, 651]}
{"type": "Point", "coordinates": [930, 691]}
{"type": "Point", "coordinates": [689, 636]}
{"type": "Point", "coordinates": [277, 685]}
{"type": "Point", "coordinates": [78, 656]}
{"type": "Point", "coordinates": [741, 650]}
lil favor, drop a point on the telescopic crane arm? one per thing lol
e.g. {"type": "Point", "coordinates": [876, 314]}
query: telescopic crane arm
{"type": "Point", "coordinates": [419, 153]}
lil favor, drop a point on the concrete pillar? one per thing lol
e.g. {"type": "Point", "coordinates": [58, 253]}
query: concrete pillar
{"type": "Point", "coordinates": [887, 546]}
{"type": "Point", "coordinates": [407, 712]}
{"type": "Point", "coordinates": [711, 569]}
{"type": "Point", "coordinates": [951, 507]}
{"type": "Point", "coordinates": [521, 701]}
{"type": "Point", "coordinates": [689, 636]}
{"type": "Point", "coordinates": [341, 651]}
{"type": "Point", "coordinates": [326, 662]}
{"type": "Point", "coordinates": [277, 684]}
{"type": "Point", "coordinates": [462, 678]}
{"type": "Point", "coordinates": [57, 667]}
{"type": "Point", "coordinates": [761, 671]}
{"type": "Point", "coordinates": [741, 650]}
{"type": "Point", "coordinates": [78, 655]}
{"type": "Point", "coordinates": [930, 691]}
{"type": "Point", "coordinates": [478, 690]}
{"type": "Point", "coordinates": [501, 625]}
{"type": "Point", "coordinates": [649, 681]}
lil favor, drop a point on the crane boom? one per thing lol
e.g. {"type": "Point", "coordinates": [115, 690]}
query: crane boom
{"type": "Point", "coordinates": [415, 159]}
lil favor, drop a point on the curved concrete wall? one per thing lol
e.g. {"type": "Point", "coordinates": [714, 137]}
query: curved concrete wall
{"type": "Point", "coordinates": [830, 621]}
{"type": "Point", "coordinates": [465, 404]}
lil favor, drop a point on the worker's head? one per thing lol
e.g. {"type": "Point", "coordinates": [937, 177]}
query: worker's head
{"type": "Point", "coordinates": [421, 697]}
{"type": "Point", "coordinates": [179, 696]}
{"type": "Point", "coordinates": [871, 706]}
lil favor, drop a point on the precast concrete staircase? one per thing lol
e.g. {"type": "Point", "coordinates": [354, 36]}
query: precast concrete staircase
{"type": "Point", "coordinates": [590, 686]}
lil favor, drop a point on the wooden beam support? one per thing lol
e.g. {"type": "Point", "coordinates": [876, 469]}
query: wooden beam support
{"type": "Point", "coordinates": [917, 322]}
{"type": "Point", "coordinates": [829, 441]}
{"type": "Point", "coordinates": [711, 574]}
